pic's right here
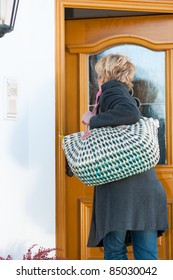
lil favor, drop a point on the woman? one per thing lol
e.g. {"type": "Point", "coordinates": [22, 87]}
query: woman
{"type": "Point", "coordinates": [132, 210]}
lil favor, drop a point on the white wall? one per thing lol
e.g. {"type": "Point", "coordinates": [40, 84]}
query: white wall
{"type": "Point", "coordinates": [27, 145]}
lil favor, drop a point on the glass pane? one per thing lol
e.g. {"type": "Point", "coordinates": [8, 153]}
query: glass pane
{"type": "Point", "coordinates": [149, 84]}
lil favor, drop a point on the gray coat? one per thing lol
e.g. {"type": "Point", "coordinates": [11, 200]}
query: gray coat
{"type": "Point", "coordinates": [134, 203]}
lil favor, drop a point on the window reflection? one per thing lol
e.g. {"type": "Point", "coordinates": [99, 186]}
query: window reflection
{"type": "Point", "coordinates": [149, 84]}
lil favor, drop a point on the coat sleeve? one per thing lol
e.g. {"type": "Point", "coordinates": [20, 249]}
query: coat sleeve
{"type": "Point", "coordinates": [116, 109]}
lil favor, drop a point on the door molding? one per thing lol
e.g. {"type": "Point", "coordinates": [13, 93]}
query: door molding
{"type": "Point", "coordinates": [128, 5]}
{"type": "Point", "coordinates": [116, 40]}
{"type": "Point", "coordinates": [60, 5]}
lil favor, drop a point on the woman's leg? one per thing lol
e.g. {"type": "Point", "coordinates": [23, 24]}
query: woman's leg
{"type": "Point", "coordinates": [145, 245]}
{"type": "Point", "coordinates": [114, 246]}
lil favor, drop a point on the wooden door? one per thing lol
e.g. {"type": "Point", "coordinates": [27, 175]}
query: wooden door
{"type": "Point", "coordinates": [84, 38]}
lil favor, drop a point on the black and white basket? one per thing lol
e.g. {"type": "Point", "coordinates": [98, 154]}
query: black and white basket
{"type": "Point", "coordinates": [107, 154]}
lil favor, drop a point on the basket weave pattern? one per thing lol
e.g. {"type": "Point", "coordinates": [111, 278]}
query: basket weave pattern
{"type": "Point", "coordinates": [113, 153]}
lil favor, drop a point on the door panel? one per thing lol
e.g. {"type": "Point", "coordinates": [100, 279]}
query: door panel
{"type": "Point", "coordinates": [88, 37]}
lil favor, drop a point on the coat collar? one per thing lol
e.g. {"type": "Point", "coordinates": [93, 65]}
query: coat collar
{"type": "Point", "coordinates": [113, 83]}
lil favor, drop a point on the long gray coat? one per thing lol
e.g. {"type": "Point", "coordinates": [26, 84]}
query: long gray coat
{"type": "Point", "coordinates": [134, 203]}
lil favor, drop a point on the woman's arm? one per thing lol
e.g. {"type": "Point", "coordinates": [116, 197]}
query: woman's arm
{"type": "Point", "coordinates": [116, 109]}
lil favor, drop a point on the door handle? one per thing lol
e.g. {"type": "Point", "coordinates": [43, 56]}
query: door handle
{"type": "Point", "coordinates": [68, 172]}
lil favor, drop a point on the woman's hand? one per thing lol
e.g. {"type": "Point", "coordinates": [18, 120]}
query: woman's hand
{"type": "Point", "coordinates": [86, 117]}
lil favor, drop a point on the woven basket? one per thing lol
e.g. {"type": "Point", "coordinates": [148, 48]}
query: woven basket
{"type": "Point", "coordinates": [107, 154]}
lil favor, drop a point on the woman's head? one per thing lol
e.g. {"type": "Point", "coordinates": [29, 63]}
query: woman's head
{"type": "Point", "coordinates": [115, 67]}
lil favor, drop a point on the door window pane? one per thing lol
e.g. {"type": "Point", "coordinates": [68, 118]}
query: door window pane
{"type": "Point", "coordinates": [149, 84]}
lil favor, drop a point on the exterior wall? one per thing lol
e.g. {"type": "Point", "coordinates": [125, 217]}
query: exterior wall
{"type": "Point", "coordinates": [27, 145]}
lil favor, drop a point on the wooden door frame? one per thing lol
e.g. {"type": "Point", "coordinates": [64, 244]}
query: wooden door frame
{"type": "Point", "coordinates": [60, 5]}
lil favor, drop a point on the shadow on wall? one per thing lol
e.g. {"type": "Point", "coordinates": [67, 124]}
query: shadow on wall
{"type": "Point", "coordinates": [32, 146]}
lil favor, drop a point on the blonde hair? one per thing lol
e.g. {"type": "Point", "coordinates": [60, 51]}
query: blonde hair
{"type": "Point", "coordinates": [116, 67]}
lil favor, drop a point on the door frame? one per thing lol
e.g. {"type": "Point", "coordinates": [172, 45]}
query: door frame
{"type": "Point", "coordinates": [60, 121]}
